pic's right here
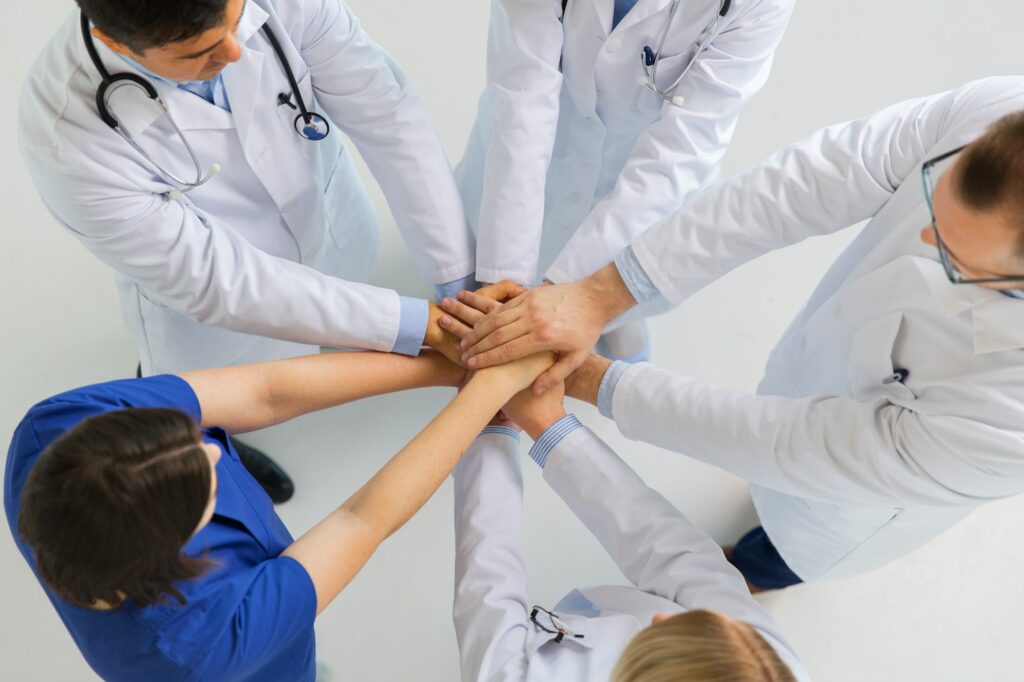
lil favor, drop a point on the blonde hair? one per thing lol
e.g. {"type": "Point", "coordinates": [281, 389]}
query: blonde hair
{"type": "Point", "coordinates": [700, 645]}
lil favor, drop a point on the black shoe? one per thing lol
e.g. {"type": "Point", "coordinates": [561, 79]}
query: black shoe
{"type": "Point", "coordinates": [271, 477]}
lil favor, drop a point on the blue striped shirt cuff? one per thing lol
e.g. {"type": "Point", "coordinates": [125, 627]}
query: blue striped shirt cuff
{"type": "Point", "coordinates": [606, 392]}
{"type": "Point", "coordinates": [501, 431]}
{"type": "Point", "coordinates": [451, 289]}
{"type": "Point", "coordinates": [552, 437]}
{"type": "Point", "coordinates": [412, 326]}
{"type": "Point", "coordinates": [634, 276]}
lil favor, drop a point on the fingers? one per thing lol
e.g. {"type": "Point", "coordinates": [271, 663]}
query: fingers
{"type": "Point", "coordinates": [560, 371]}
{"type": "Point", "coordinates": [454, 326]}
{"type": "Point", "coordinates": [522, 347]}
{"type": "Point", "coordinates": [479, 302]}
{"type": "Point", "coordinates": [463, 312]}
{"type": "Point", "coordinates": [500, 336]}
{"type": "Point", "coordinates": [502, 291]}
{"type": "Point", "coordinates": [482, 329]}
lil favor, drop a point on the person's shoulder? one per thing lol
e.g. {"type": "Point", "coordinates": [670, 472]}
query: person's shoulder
{"type": "Point", "coordinates": [56, 88]}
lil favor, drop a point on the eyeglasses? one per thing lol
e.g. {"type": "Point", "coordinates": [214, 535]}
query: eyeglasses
{"type": "Point", "coordinates": [947, 257]}
{"type": "Point", "coordinates": [550, 623]}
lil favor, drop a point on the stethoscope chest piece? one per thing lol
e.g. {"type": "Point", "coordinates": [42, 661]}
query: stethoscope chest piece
{"type": "Point", "coordinates": [312, 126]}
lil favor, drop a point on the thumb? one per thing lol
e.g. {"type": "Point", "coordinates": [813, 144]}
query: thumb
{"type": "Point", "coordinates": [559, 372]}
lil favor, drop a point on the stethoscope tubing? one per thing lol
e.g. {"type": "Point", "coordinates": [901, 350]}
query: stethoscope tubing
{"type": "Point", "coordinates": [110, 83]}
{"type": "Point", "coordinates": [651, 70]}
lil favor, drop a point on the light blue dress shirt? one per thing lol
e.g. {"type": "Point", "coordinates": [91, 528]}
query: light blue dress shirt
{"type": "Point", "coordinates": [635, 277]}
{"type": "Point", "coordinates": [213, 91]}
{"type": "Point", "coordinates": [553, 436]}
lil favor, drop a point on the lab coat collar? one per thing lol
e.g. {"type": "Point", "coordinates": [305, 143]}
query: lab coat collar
{"type": "Point", "coordinates": [136, 113]}
{"type": "Point", "coordinates": [243, 78]}
{"type": "Point", "coordinates": [998, 320]}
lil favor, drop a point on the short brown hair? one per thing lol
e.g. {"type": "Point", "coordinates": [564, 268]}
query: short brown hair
{"type": "Point", "coordinates": [702, 646]}
{"type": "Point", "coordinates": [109, 505]}
{"type": "Point", "coordinates": [990, 174]}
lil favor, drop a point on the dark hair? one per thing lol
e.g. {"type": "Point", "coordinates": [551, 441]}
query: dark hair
{"type": "Point", "coordinates": [109, 505]}
{"type": "Point", "coordinates": [142, 24]}
{"type": "Point", "coordinates": [990, 175]}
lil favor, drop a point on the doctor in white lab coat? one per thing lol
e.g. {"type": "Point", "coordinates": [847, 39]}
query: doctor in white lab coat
{"type": "Point", "coordinates": [267, 259]}
{"type": "Point", "coordinates": [674, 567]}
{"type": "Point", "coordinates": [571, 156]}
{"type": "Point", "coordinates": [894, 403]}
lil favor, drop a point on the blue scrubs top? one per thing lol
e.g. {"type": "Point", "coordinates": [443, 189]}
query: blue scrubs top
{"type": "Point", "coordinates": [248, 618]}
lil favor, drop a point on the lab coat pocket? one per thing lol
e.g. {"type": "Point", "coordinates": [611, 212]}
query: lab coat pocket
{"type": "Point", "coordinates": [669, 69]}
{"type": "Point", "coordinates": [872, 372]}
{"type": "Point", "coordinates": [288, 112]}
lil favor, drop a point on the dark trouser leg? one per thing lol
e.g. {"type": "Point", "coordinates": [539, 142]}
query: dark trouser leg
{"type": "Point", "coordinates": [268, 473]}
{"type": "Point", "coordinates": [760, 563]}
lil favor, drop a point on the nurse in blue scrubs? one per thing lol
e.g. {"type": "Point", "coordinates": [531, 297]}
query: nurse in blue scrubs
{"type": "Point", "coordinates": [164, 557]}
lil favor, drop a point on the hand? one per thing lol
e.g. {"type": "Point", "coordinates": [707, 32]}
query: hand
{"type": "Point", "coordinates": [514, 376]}
{"type": "Point", "coordinates": [471, 307]}
{"type": "Point", "coordinates": [535, 414]}
{"type": "Point", "coordinates": [567, 318]}
{"type": "Point", "coordinates": [585, 383]}
{"type": "Point", "coordinates": [438, 338]}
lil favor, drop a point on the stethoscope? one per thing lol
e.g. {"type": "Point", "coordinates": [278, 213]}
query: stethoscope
{"type": "Point", "coordinates": [308, 124]}
{"type": "Point", "coordinates": [649, 57]}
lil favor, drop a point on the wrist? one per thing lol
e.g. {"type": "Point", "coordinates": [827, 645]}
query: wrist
{"type": "Point", "coordinates": [585, 383]}
{"type": "Point", "coordinates": [434, 333]}
{"type": "Point", "coordinates": [608, 292]}
{"type": "Point", "coordinates": [536, 424]}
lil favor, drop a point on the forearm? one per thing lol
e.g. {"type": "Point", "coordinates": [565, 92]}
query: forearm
{"type": "Point", "coordinates": [250, 397]}
{"type": "Point", "coordinates": [404, 484]}
{"type": "Point", "coordinates": [335, 550]}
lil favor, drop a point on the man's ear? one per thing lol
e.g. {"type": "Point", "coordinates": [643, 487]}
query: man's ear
{"type": "Point", "coordinates": [117, 47]}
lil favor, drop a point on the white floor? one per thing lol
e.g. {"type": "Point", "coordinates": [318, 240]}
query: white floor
{"type": "Point", "coordinates": [947, 613]}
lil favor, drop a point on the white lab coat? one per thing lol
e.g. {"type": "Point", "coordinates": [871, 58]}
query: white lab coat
{"type": "Point", "coordinates": [267, 255]}
{"type": "Point", "coordinates": [567, 144]}
{"type": "Point", "coordinates": [673, 565]}
{"type": "Point", "coordinates": [850, 472]}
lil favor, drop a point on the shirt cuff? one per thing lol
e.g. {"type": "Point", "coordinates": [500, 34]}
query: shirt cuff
{"type": "Point", "coordinates": [608, 383]}
{"type": "Point", "coordinates": [501, 431]}
{"type": "Point", "coordinates": [412, 326]}
{"type": "Point", "coordinates": [551, 437]}
{"type": "Point", "coordinates": [635, 277]}
{"type": "Point", "coordinates": [450, 289]}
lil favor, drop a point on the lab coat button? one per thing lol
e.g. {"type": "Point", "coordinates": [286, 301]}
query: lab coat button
{"type": "Point", "coordinates": [614, 45]}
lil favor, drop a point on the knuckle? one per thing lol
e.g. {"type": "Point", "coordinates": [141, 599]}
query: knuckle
{"type": "Point", "coordinates": [545, 334]}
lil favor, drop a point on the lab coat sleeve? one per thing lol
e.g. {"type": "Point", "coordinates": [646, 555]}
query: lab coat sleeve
{"type": "Point", "coordinates": [524, 49]}
{"type": "Point", "coordinates": [837, 177]}
{"type": "Point", "coordinates": [490, 608]}
{"type": "Point", "coordinates": [653, 544]}
{"type": "Point", "coordinates": [200, 266]}
{"type": "Point", "coordinates": [674, 158]}
{"type": "Point", "coordinates": [366, 93]}
{"type": "Point", "coordinates": [830, 449]}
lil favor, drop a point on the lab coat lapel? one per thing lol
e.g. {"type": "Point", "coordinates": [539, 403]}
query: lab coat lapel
{"type": "Point", "coordinates": [603, 10]}
{"type": "Point", "coordinates": [243, 79]}
{"type": "Point", "coordinates": [996, 319]}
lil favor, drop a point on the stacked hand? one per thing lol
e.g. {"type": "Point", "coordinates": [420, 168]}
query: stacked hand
{"type": "Point", "coordinates": [564, 318]}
